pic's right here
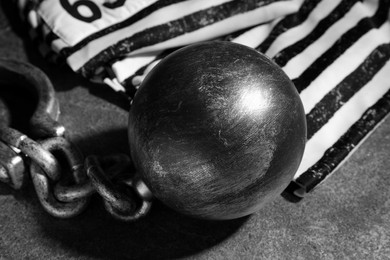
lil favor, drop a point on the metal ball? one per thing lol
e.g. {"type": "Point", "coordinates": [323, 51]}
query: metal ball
{"type": "Point", "coordinates": [217, 130]}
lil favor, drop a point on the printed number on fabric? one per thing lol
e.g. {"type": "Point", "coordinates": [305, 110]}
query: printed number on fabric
{"type": "Point", "coordinates": [74, 20]}
{"type": "Point", "coordinates": [95, 12]}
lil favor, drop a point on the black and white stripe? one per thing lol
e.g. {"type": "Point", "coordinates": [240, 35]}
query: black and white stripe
{"type": "Point", "coordinates": [144, 13]}
{"type": "Point", "coordinates": [354, 68]}
{"type": "Point", "coordinates": [283, 56]}
{"type": "Point", "coordinates": [170, 33]}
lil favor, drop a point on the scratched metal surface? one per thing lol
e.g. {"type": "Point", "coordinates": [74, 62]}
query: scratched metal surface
{"type": "Point", "coordinates": [347, 217]}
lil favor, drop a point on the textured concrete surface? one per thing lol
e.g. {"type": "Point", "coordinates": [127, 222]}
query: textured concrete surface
{"type": "Point", "coordinates": [346, 218]}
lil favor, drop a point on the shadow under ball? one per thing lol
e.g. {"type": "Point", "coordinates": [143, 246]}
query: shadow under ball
{"type": "Point", "coordinates": [217, 130]}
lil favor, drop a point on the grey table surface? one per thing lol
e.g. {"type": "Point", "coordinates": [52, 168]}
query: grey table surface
{"type": "Point", "coordinates": [348, 217]}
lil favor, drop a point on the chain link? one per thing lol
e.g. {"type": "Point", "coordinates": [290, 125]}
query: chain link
{"type": "Point", "coordinates": [12, 168]}
{"type": "Point", "coordinates": [43, 182]}
{"type": "Point", "coordinates": [32, 149]}
{"type": "Point", "coordinates": [64, 181]}
{"type": "Point", "coordinates": [66, 194]}
{"type": "Point", "coordinates": [118, 199]}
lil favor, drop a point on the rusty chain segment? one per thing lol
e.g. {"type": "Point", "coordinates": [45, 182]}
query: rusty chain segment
{"type": "Point", "coordinates": [63, 179]}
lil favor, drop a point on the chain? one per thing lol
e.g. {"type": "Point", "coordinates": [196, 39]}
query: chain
{"type": "Point", "coordinates": [63, 179]}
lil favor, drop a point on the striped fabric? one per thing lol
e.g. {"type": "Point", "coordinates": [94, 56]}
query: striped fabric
{"type": "Point", "coordinates": [335, 51]}
{"type": "Point", "coordinates": [92, 35]}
